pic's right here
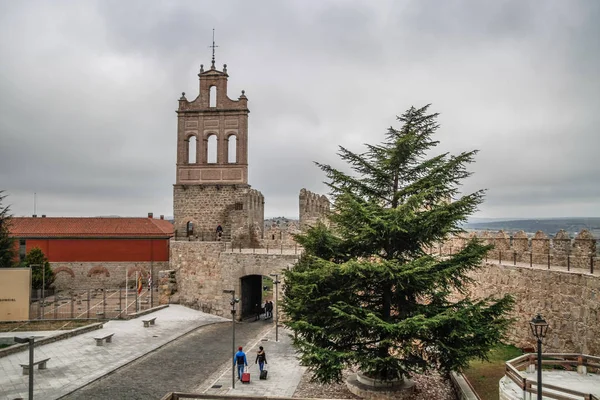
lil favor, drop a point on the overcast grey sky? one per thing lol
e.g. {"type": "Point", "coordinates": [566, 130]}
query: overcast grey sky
{"type": "Point", "coordinates": [88, 92]}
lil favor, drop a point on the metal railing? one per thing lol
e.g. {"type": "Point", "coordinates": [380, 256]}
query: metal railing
{"type": "Point", "coordinates": [266, 248]}
{"type": "Point", "coordinates": [551, 261]}
{"type": "Point", "coordinates": [568, 361]}
{"type": "Point", "coordinates": [104, 303]}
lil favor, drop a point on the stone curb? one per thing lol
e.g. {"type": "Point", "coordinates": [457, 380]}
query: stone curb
{"type": "Point", "coordinates": [170, 396]}
{"type": "Point", "coordinates": [141, 313]}
{"type": "Point", "coordinates": [22, 347]}
{"type": "Point", "coordinates": [463, 387]}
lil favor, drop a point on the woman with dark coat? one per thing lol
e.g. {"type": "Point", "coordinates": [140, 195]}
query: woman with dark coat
{"type": "Point", "coordinates": [261, 358]}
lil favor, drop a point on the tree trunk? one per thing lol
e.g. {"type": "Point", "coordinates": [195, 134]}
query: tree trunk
{"type": "Point", "coordinates": [387, 308]}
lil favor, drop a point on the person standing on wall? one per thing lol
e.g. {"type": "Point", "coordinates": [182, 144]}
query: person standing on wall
{"type": "Point", "coordinates": [240, 360]}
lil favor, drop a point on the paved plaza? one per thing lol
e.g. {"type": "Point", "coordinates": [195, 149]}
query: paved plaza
{"type": "Point", "coordinates": [77, 361]}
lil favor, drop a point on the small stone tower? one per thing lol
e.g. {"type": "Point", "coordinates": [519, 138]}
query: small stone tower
{"type": "Point", "coordinates": [313, 208]}
{"type": "Point", "coordinates": [211, 186]}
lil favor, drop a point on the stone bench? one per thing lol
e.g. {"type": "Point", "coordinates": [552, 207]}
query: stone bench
{"type": "Point", "coordinates": [148, 322]}
{"type": "Point", "coordinates": [100, 339]}
{"type": "Point", "coordinates": [41, 365]}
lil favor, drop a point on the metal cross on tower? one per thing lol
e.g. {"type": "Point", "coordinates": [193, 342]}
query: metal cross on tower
{"type": "Point", "coordinates": [213, 50]}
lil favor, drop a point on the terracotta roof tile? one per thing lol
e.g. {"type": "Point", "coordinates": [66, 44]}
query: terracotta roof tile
{"type": "Point", "coordinates": [90, 227]}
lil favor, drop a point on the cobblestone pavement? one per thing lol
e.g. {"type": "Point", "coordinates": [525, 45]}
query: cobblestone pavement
{"type": "Point", "coordinates": [284, 374]}
{"type": "Point", "coordinates": [179, 366]}
{"type": "Point", "coordinates": [77, 361]}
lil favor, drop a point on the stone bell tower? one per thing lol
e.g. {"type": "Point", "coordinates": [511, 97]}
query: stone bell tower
{"type": "Point", "coordinates": [211, 186]}
{"type": "Point", "coordinates": [217, 130]}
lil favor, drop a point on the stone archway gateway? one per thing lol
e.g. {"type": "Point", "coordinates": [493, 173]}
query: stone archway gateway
{"type": "Point", "coordinates": [201, 271]}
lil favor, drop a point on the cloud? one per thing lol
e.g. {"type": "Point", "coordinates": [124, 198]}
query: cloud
{"type": "Point", "coordinates": [88, 92]}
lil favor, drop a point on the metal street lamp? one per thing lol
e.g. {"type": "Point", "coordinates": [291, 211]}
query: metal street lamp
{"type": "Point", "coordinates": [29, 340]}
{"type": "Point", "coordinates": [539, 327]}
{"type": "Point", "coordinates": [276, 282]}
{"type": "Point", "coordinates": [232, 303]}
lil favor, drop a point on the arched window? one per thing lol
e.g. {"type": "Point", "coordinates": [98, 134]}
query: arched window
{"type": "Point", "coordinates": [192, 150]}
{"type": "Point", "coordinates": [211, 149]}
{"type": "Point", "coordinates": [212, 97]}
{"type": "Point", "coordinates": [189, 229]}
{"type": "Point", "coordinates": [232, 150]}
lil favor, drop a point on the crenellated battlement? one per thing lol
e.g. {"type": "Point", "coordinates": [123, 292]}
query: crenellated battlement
{"type": "Point", "coordinates": [313, 207]}
{"type": "Point", "coordinates": [560, 250]}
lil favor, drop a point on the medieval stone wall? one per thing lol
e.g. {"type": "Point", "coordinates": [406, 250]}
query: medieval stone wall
{"type": "Point", "coordinates": [276, 236]}
{"type": "Point", "coordinates": [313, 207]}
{"type": "Point", "coordinates": [84, 275]}
{"type": "Point", "coordinates": [569, 301]}
{"type": "Point", "coordinates": [561, 250]}
{"type": "Point", "coordinates": [203, 270]}
{"type": "Point", "coordinates": [234, 207]}
{"type": "Point", "coordinates": [548, 275]}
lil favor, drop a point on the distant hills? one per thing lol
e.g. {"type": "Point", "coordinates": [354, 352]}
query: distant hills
{"type": "Point", "coordinates": [548, 225]}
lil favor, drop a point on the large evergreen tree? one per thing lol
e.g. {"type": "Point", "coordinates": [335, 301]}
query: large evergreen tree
{"type": "Point", "coordinates": [7, 243]}
{"type": "Point", "coordinates": [366, 292]}
{"type": "Point", "coordinates": [36, 258]}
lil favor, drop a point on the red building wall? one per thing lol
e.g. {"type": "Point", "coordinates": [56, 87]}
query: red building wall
{"type": "Point", "coordinates": [71, 250]}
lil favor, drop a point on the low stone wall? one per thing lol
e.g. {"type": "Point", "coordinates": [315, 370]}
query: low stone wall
{"type": "Point", "coordinates": [567, 300]}
{"type": "Point", "coordinates": [145, 312]}
{"type": "Point", "coordinates": [65, 335]}
{"type": "Point", "coordinates": [71, 275]}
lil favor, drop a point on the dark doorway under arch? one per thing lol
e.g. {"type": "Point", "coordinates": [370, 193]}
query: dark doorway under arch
{"type": "Point", "coordinates": [251, 294]}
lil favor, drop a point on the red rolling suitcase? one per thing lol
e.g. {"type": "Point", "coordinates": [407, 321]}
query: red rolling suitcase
{"type": "Point", "coordinates": [246, 376]}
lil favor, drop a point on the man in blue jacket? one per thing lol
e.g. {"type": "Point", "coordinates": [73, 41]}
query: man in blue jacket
{"type": "Point", "coordinates": [240, 360]}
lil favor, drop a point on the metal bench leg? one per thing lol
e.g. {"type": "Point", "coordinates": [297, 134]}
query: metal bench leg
{"type": "Point", "coordinates": [42, 365]}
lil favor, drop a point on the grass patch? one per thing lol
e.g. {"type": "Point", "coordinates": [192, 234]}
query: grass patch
{"type": "Point", "coordinates": [267, 283]}
{"type": "Point", "coordinates": [484, 375]}
{"type": "Point", "coordinates": [4, 345]}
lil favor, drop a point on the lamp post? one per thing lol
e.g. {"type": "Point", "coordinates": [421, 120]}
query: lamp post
{"type": "Point", "coordinates": [29, 340]}
{"type": "Point", "coordinates": [539, 327]}
{"type": "Point", "coordinates": [232, 303]}
{"type": "Point", "coordinates": [276, 282]}
{"type": "Point", "coordinates": [43, 284]}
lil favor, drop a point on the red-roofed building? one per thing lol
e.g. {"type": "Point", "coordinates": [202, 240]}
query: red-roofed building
{"type": "Point", "coordinates": [98, 250]}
